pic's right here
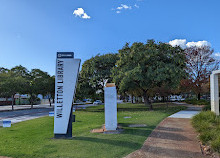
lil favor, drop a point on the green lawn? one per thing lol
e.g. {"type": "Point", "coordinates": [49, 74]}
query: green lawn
{"type": "Point", "coordinates": [34, 138]}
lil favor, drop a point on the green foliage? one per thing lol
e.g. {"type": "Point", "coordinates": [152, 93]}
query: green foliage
{"type": "Point", "coordinates": [208, 125]}
{"type": "Point", "coordinates": [20, 71]}
{"type": "Point", "coordinates": [20, 80]}
{"type": "Point", "coordinates": [207, 108]}
{"type": "Point", "coordinates": [94, 74]}
{"type": "Point", "coordinates": [10, 84]}
{"type": "Point", "coordinates": [34, 138]}
{"type": "Point", "coordinates": [3, 70]}
{"type": "Point", "coordinates": [216, 144]}
{"type": "Point", "coordinates": [38, 82]}
{"type": "Point", "coordinates": [143, 67]}
{"type": "Point", "coordinates": [197, 102]}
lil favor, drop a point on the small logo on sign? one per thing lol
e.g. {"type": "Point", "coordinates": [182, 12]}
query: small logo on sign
{"type": "Point", "coordinates": [65, 55]}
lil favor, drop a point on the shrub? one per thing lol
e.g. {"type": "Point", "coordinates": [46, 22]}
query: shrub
{"type": "Point", "coordinates": [197, 102]}
{"type": "Point", "coordinates": [208, 125]}
{"type": "Point", "coordinates": [216, 144]}
{"type": "Point", "coordinates": [206, 108]}
{"type": "Point", "coordinates": [207, 136]}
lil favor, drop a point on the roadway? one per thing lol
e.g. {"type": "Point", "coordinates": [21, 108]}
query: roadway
{"type": "Point", "coordinates": [24, 112]}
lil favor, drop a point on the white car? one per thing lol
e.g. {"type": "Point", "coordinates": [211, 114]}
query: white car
{"type": "Point", "coordinates": [176, 98]}
{"type": "Point", "coordinates": [97, 102]}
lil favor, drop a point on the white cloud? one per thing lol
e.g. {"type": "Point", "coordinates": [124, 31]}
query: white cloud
{"type": "Point", "coordinates": [122, 7]}
{"type": "Point", "coordinates": [198, 44]}
{"type": "Point", "coordinates": [119, 8]}
{"type": "Point", "coordinates": [81, 13]}
{"type": "Point", "coordinates": [126, 7]}
{"type": "Point", "coordinates": [136, 6]}
{"type": "Point", "coordinates": [78, 12]}
{"type": "Point", "coordinates": [217, 54]}
{"type": "Point", "coordinates": [183, 44]}
{"type": "Point", "coordinates": [178, 42]}
{"type": "Point", "coordinates": [85, 16]}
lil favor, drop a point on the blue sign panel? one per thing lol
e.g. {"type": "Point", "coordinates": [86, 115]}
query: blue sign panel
{"type": "Point", "coordinates": [51, 113]}
{"type": "Point", "coordinates": [65, 55]}
{"type": "Point", "coordinates": [6, 123]}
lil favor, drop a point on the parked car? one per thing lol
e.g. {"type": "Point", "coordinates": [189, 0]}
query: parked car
{"type": "Point", "coordinates": [176, 98]}
{"type": "Point", "coordinates": [97, 102]}
{"type": "Point", "coordinates": [89, 101]}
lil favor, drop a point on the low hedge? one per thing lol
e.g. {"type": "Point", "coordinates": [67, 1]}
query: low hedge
{"type": "Point", "coordinates": [208, 126]}
{"type": "Point", "coordinates": [197, 102]}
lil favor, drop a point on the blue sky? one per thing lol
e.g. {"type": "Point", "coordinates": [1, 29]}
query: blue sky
{"type": "Point", "coordinates": [32, 31]}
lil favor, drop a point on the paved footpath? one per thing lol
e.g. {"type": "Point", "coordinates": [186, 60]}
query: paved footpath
{"type": "Point", "coordinates": [174, 137]}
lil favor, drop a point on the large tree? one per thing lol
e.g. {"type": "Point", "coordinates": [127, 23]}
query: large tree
{"type": "Point", "coordinates": [11, 84]}
{"type": "Point", "coordinates": [39, 83]}
{"type": "Point", "coordinates": [20, 80]}
{"type": "Point", "coordinates": [3, 70]}
{"type": "Point", "coordinates": [200, 64]}
{"type": "Point", "coordinates": [94, 74]}
{"type": "Point", "coordinates": [20, 71]}
{"type": "Point", "coordinates": [142, 67]}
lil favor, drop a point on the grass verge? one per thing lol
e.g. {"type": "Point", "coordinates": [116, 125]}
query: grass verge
{"type": "Point", "coordinates": [208, 126]}
{"type": "Point", "coordinates": [34, 138]}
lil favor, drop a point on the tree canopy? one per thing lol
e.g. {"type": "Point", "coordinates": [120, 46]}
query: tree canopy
{"type": "Point", "coordinates": [94, 74]}
{"type": "Point", "coordinates": [20, 80]}
{"type": "Point", "coordinates": [200, 64]}
{"type": "Point", "coordinates": [142, 67]}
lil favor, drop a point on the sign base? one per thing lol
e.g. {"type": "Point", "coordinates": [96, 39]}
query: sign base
{"type": "Point", "coordinates": [69, 129]}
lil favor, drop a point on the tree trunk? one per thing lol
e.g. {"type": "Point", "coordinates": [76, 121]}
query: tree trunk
{"type": "Point", "coordinates": [163, 98]}
{"type": "Point", "coordinates": [32, 102]}
{"type": "Point", "coordinates": [147, 102]}
{"type": "Point", "coordinates": [19, 101]}
{"type": "Point", "coordinates": [132, 101]}
{"type": "Point", "coordinates": [49, 101]}
{"type": "Point", "coordinates": [12, 102]}
{"type": "Point", "coordinates": [199, 96]}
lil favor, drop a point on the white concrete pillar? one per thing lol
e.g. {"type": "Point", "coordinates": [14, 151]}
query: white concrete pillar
{"type": "Point", "coordinates": [110, 107]}
{"type": "Point", "coordinates": [214, 93]}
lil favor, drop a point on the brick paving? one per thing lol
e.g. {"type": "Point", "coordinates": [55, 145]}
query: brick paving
{"type": "Point", "coordinates": [174, 137]}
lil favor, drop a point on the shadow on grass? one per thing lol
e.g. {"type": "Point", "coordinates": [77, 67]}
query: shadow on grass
{"type": "Point", "coordinates": [120, 143]}
{"type": "Point", "coordinates": [138, 132]}
{"type": "Point", "coordinates": [144, 131]}
{"type": "Point", "coordinates": [136, 108]}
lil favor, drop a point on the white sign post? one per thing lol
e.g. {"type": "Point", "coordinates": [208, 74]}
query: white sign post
{"type": "Point", "coordinates": [110, 107]}
{"type": "Point", "coordinates": [214, 88]}
{"type": "Point", "coordinates": [67, 69]}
